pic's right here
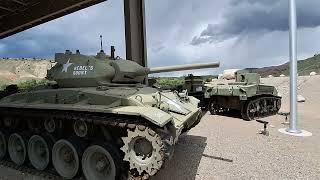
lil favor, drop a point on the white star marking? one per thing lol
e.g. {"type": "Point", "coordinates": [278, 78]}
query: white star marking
{"type": "Point", "coordinates": [66, 66]}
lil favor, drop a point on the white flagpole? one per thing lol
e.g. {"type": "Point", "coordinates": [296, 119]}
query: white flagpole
{"type": "Point", "coordinates": [293, 67]}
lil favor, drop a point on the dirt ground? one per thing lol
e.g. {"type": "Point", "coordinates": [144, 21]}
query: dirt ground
{"type": "Point", "coordinates": [230, 148]}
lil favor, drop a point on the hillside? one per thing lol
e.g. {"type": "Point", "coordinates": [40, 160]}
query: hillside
{"type": "Point", "coordinates": [19, 70]}
{"type": "Point", "coordinates": [304, 68]}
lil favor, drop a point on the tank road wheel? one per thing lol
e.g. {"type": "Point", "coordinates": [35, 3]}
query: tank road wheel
{"type": "Point", "coordinates": [101, 162]}
{"type": "Point", "coordinates": [278, 105]}
{"type": "Point", "coordinates": [249, 111]}
{"type": "Point", "coordinates": [39, 151]}
{"type": "Point", "coordinates": [17, 149]}
{"type": "Point", "coordinates": [65, 158]}
{"type": "Point", "coordinates": [264, 108]}
{"type": "Point", "coordinates": [144, 150]}
{"type": "Point", "coordinates": [3, 145]}
{"type": "Point", "coordinates": [213, 107]}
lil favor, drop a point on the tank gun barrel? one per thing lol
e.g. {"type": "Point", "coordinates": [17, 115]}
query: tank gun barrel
{"type": "Point", "coordinates": [183, 67]}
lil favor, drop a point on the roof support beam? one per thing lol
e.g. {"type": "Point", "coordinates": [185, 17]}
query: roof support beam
{"type": "Point", "coordinates": [7, 9]}
{"type": "Point", "coordinates": [19, 2]}
{"type": "Point", "coordinates": [135, 31]}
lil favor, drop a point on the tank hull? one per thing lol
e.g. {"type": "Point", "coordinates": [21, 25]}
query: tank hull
{"type": "Point", "coordinates": [85, 117]}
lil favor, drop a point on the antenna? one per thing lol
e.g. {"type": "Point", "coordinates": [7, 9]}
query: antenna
{"type": "Point", "coordinates": [101, 50]}
{"type": "Point", "coordinates": [112, 52]}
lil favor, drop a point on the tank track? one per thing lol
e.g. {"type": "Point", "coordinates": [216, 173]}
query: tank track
{"type": "Point", "coordinates": [107, 120]}
{"type": "Point", "coordinates": [260, 107]}
{"type": "Point", "coordinates": [47, 174]}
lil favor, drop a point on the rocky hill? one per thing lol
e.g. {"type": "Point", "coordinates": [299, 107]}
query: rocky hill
{"type": "Point", "coordinates": [18, 70]}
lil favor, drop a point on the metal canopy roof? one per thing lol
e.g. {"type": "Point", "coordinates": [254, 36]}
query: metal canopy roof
{"type": "Point", "coordinates": [19, 15]}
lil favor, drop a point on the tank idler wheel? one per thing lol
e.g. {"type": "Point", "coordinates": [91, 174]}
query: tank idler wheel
{"type": "Point", "coordinates": [39, 151]}
{"type": "Point", "coordinates": [80, 128]}
{"type": "Point", "coordinates": [144, 150]}
{"type": "Point", "coordinates": [3, 144]}
{"type": "Point", "coordinates": [65, 157]}
{"type": "Point", "coordinates": [17, 147]}
{"type": "Point", "coordinates": [101, 162]}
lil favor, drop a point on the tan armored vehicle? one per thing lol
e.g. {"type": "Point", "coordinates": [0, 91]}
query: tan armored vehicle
{"type": "Point", "coordinates": [97, 119]}
{"type": "Point", "coordinates": [247, 95]}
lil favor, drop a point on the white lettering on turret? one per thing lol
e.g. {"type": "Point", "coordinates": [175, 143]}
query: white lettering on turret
{"type": "Point", "coordinates": [82, 70]}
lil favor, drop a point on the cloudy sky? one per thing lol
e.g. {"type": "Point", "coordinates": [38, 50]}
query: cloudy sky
{"type": "Point", "coordinates": [238, 33]}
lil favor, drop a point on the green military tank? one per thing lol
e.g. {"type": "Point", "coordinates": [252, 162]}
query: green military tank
{"type": "Point", "coordinates": [247, 95]}
{"type": "Point", "coordinates": [195, 87]}
{"type": "Point", "coordinates": [96, 118]}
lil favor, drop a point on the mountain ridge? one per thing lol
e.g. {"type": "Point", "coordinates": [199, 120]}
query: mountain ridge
{"type": "Point", "coordinates": [305, 67]}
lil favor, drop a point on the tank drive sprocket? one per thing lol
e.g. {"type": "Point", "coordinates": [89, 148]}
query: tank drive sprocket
{"type": "Point", "coordinates": [144, 150]}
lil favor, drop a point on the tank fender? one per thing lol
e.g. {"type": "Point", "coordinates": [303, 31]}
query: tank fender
{"type": "Point", "coordinates": [154, 115]}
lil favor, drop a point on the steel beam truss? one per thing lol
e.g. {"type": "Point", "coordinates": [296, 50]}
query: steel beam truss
{"type": "Point", "coordinates": [19, 15]}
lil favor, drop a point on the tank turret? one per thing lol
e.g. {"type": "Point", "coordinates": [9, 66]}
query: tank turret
{"type": "Point", "coordinates": [77, 70]}
{"type": "Point", "coordinates": [244, 76]}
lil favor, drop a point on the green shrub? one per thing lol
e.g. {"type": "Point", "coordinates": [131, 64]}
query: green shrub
{"type": "Point", "coordinates": [170, 82]}
{"type": "Point", "coordinates": [31, 84]}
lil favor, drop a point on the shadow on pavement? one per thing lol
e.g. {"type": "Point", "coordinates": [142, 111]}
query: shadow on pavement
{"type": "Point", "coordinates": [186, 159]}
{"type": "Point", "coordinates": [218, 158]}
{"type": "Point", "coordinates": [230, 113]}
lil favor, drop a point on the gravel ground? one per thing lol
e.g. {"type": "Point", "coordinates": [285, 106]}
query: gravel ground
{"type": "Point", "coordinates": [230, 148]}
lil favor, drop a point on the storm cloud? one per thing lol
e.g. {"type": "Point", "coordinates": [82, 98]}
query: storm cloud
{"type": "Point", "coordinates": [246, 17]}
{"type": "Point", "coordinates": [252, 33]}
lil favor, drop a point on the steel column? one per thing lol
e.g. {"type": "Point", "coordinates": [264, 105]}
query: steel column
{"type": "Point", "coordinates": [135, 31]}
{"type": "Point", "coordinates": [293, 67]}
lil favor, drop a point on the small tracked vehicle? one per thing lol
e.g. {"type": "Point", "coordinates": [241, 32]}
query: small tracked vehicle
{"type": "Point", "coordinates": [246, 95]}
{"type": "Point", "coordinates": [97, 119]}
